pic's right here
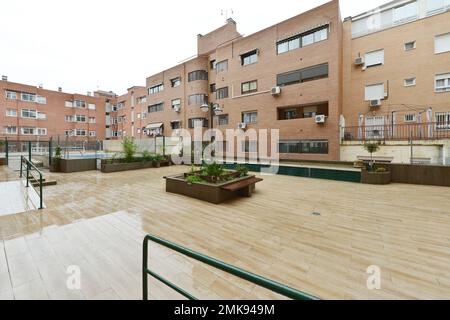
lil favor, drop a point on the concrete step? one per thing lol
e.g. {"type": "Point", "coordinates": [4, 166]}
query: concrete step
{"type": "Point", "coordinates": [45, 184]}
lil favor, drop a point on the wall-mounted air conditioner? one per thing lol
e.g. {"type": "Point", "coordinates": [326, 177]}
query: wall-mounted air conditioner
{"type": "Point", "coordinates": [320, 119]}
{"type": "Point", "coordinates": [242, 126]}
{"type": "Point", "coordinates": [375, 103]}
{"type": "Point", "coordinates": [275, 91]}
{"type": "Point", "coordinates": [177, 108]}
{"type": "Point", "coordinates": [359, 61]}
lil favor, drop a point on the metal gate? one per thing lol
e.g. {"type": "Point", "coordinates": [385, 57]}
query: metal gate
{"type": "Point", "coordinates": [38, 152]}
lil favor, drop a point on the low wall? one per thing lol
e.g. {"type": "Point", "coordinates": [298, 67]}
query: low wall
{"type": "Point", "coordinates": [78, 165]}
{"type": "Point", "coordinates": [416, 174]}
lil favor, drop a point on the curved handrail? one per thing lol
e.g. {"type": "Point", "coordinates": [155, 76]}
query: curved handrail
{"type": "Point", "coordinates": [238, 272]}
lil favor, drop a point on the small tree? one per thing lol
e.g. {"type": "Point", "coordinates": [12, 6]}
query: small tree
{"type": "Point", "coordinates": [371, 147]}
{"type": "Point", "coordinates": [129, 148]}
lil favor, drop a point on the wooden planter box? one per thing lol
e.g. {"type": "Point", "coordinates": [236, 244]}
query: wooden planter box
{"type": "Point", "coordinates": [379, 178]}
{"type": "Point", "coordinates": [118, 167]}
{"type": "Point", "coordinates": [212, 193]}
{"type": "Point", "coordinates": [2, 161]}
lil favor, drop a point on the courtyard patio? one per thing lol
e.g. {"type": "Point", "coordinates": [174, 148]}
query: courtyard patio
{"type": "Point", "coordinates": [317, 236]}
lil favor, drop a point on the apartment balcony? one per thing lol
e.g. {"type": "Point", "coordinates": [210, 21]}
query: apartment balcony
{"type": "Point", "coordinates": [399, 132]}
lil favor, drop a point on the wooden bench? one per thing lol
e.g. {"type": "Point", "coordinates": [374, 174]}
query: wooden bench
{"type": "Point", "coordinates": [376, 159]}
{"type": "Point", "coordinates": [244, 187]}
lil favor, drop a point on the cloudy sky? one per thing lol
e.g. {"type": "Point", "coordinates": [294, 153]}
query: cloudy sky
{"type": "Point", "coordinates": [84, 45]}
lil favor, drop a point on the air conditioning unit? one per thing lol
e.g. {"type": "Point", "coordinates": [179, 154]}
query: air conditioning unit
{"type": "Point", "coordinates": [359, 61]}
{"type": "Point", "coordinates": [320, 119]}
{"type": "Point", "coordinates": [375, 103]}
{"type": "Point", "coordinates": [242, 126]}
{"type": "Point", "coordinates": [177, 108]}
{"type": "Point", "coordinates": [276, 91]}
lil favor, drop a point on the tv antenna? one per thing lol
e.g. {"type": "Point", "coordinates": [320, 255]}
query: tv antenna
{"type": "Point", "coordinates": [227, 13]}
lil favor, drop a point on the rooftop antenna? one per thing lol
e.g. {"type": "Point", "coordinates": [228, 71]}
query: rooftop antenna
{"type": "Point", "coordinates": [227, 13]}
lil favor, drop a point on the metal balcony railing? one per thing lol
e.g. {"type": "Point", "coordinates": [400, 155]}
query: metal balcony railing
{"type": "Point", "coordinates": [33, 176]}
{"type": "Point", "coordinates": [399, 132]}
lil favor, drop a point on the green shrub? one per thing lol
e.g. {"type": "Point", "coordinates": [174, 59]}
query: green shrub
{"type": "Point", "coordinates": [242, 170]}
{"type": "Point", "coordinates": [214, 170]}
{"type": "Point", "coordinates": [159, 158]}
{"type": "Point", "coordinates": [129, 148]}
{"type": "Point", "coordinates": [194, 179]}
{"type": "Point", "coordinates": [147, 156]}
{"type": "Point", "coordinates": [380, 170]}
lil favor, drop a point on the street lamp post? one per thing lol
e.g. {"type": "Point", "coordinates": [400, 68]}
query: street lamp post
{"type": "Point", "coordinates": [214, 109]}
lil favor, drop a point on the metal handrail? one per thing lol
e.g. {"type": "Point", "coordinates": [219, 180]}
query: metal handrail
{"type": "Point", "coordinates": [238, 272]}
{"type": "Point", "coordinates": [29, 167]}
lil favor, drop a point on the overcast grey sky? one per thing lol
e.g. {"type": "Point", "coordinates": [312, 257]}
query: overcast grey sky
{"type": "Point", "coordinates": [83, 45]}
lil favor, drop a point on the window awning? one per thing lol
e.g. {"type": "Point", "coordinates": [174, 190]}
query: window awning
{"type": "Point", "coordinates": [153, 126]}
{"type": "Point", "coordinates": [175, 121]}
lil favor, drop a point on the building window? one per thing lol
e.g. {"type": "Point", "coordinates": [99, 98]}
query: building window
{"type": "Point", "coordinates": [29, 97]}
{"type": "Point", "coordinates": [249, 57]}
{"type": "Point", "coordinates": [69, 118]}
{"type": "Point", "coordinates": [222, 93]}
{"type": "Point", "coordinates": [299, 76]}
{"type": "Point", "coordinates": [222, 66]}
{"type": "Point", "coordinates": [80, 132]}
{"type": "Point", "coordinates": [442, 82]}
{"type": "Point", "coordinates": [248, 146]}
{"type": "Point", "coordinates": [197, 75]}
{"type": "Point", "coordinates": [11, 95]}
{"type": "Point", "coordinates": [175, 125]}
{"type": "Point", "coordinates": [144, 115]}
{"type": "Point", "coordinates": [249, 87]}
{"type": "Point", "coordinates": [212, 64]}
{"type": "Point", "coordinates": [80, 118]}
{"type": "Point", "coordinates": [303, 111]}
{"type": "Point", "coordinates": [11, 130]}
{"type": "Point", "coordinates": [410, 117]}
{"type": "Point", "coordinates": [11, 113]}
{"type": "Point", "coordinates": [443, 120]}
{"type": "Point", "coordinates": [29, 114]}
{"type": "Point", "coordinates": [41, 116]}
{"type": "Point", "coordinates": [374, 92]}
{"type": "Point", "coordinates": [197, 122]}
{"type": "Point", "coordinates": [197, 99]}
{"type": "Point", "coordinates": [156, 107]}
{"type": "Point", "coordinates": [120, 105]}
{"type": "Point", "coordinates": [175, 82]}
{"type": "Point", "coordinates": [374, 58]}
{"type": "Point", "coordinates": [176, 104]}
{"type": "Point", "coordinates": [436, 6]}
{"type": "Point", "coordinates": [31, 131]}
{"type": "Point", "coordinates": [79, 104]}
{"type": "Point", "coordinates": [303, 40]}
{"type": "Point", "coordinates": [41, 100]}
{"type": "Point", "coordinates": [442, 43]}
{"type": "Point", "coordinates": [250, 117]}
{"type": "Point", "coordinates": [304, 146]}
{"type": "Point", "coordinates": [142, 100]}
{"type": "Point", "coordinates": [156, 89]}
{"type": "Point", "coordinates": [405, 12]}
{"type": "Point", "coordinates": [92, 134]}
{"type": "Point", "coordinates": [92, 106]}
{"type": "Point", "coordinates": [92, 120]}
{"type": "Point", "coordinates": [212, 88]}
{"type": "Point", "coordinates": [222, 120]}
{"type": "Point", "coordinates": [410, 46]}
{"type": "Point", "coordinates": [410, 82]}
{"type": "Point", "coordinates": [69, 104]}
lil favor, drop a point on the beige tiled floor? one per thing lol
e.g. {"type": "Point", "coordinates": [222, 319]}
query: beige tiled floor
{"type": "Point", "coordinates": [97, 222]}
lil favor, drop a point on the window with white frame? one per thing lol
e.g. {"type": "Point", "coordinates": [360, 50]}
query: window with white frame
{"type": "Point", "coordinates": [92, 134]}
{"type": "Point", "coordinates": [41, 116]}
{"type": "Point", "coordinates": [11, 95]}
{"type": "Point", "coordinates": [410, 45]}
{"type": "Point", "coordinates": [80, 132]}
{"type": "Point", "coordinates": [92, 120]}
{"type": "Point", "coordinates": [41, 100]}
{"type": "Point", "coordinates": [79, 104]}
{"type": "Point", "coordinates": [436, 6]}
{"type": "Point", "coordinates": [222, 66]}
{"type": "Point", "coordinates": [374, 58]}
{"type": "Point", "coordinates": [29, 97]}
{"type": "Point", "coordinates": [176, 82]}
{"type": "Point", "coordinates": [176, 104]}
{"type": "Point", "coordinates": [29, 114]}
{"type": "Point", "coordinates": [406, 12]}
{"type": "Point", "coordinates": [443, 120]}
{"type": "Point", "coordinates": [92, 106]}
{"type": "Point", "coordinates": [70, 118]}
{"type": "Point", "coordinates": [410, 117]}
{"type": "Point", "coordinates": [28, 130]}
{"type": "Point", "coordinates": [69, 104]}
{"type": "Point", "coordinates": [11, 113]}
{"type": "Point", "coordinates": [442, 82]}
{"type": "Point", "coordinates": [156, 89]}
{"type": "Point", "coordinates": [442, 43]}
{"type": "Point", "coordinates": [250, 117]}
{"type": "Point", "coordinates": [68, 133]}
{"type": "Point", "coordinates": [80, 118]}
{"type": "Point", "coordinates": [10, 130]}
{"type": "Point", "coordinates": [41, 131]}
{"type": "Point", "coordinates": [409, 82]}
{"type": "Point", "coordinates": [374, 92]}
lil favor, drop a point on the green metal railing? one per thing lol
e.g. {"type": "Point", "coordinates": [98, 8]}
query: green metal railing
{"type": "Point", "coordinates": [33, 175]}
{"type": "Point", "coordinates": [240, 273]}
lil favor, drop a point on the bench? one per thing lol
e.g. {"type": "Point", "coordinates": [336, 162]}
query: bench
{"type": "Point", "coordinates": [421, 160]}
{"type": "Point", "coordinates": [376, 159]}
{"type": "Point", "coordinates": [244, 187]}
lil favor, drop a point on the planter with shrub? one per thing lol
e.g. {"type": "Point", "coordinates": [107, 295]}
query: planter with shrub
{"type": "Point", "coordinates": [379, 175]}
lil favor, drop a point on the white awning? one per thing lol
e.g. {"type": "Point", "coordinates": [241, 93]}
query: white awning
{"type": "Point", "coordinates": [153, 126]}
{"type": "Point", "coordinates": [175, 121]}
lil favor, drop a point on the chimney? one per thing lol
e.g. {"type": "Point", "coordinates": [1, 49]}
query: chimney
{"type": "Point", "coordinates": [59, 89]}
{"type": "Point", "coordinates": [88, 93]}
{"type": "Point", "coordinates": [4, 78]}
{"type": "Point", "coordinates": [41, 86]}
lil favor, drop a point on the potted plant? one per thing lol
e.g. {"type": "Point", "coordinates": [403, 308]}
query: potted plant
{"type": "Point", "coordinates": [371, 147]}
{"type": "Point", "coordinates": [56, 163]}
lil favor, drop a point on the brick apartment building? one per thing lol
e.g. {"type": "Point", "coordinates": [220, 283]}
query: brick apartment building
{"type": "Point", "coordinates": [36, 114]}
{"type": "Point", "coordinates": [327, 85]}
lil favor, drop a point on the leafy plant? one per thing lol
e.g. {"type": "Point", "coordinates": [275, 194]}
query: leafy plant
{"type": "Point", "coordinates": [371, 147]}
{"type": "Point", "coordinates": [193, 179]}
{"type": "Point", "coordinates": [380, 170]}
{"type": "Point", "coordinates": [213, 170]}
{"type": "Point", "coordinates": [129, 148]}
{"type": "Point", "coordinates": [159, 158]}
{"type": "Point", "coordinates": [242, 170]}
{"type": "Point", "coordinates": [147, 156]}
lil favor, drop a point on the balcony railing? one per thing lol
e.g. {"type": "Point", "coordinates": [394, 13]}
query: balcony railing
{"type": "Point", "coordinates": [399, 132]}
